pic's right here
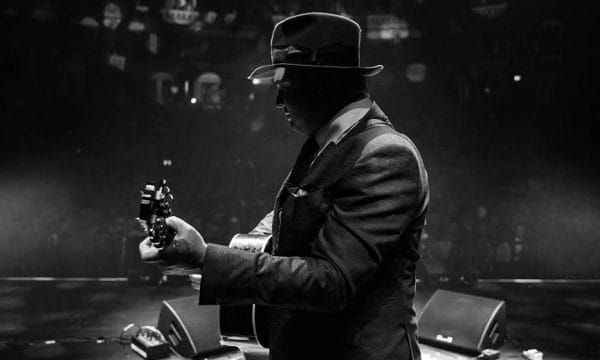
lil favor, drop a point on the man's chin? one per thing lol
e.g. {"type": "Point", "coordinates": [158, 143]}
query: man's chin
{"type": "Point", "coordinates": [296, 128]}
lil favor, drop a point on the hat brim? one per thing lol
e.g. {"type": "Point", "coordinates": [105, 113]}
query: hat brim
{"type": "Point", "coordinates": [266, 72]}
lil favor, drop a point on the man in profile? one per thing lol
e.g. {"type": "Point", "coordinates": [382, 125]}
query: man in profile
{"type": "Point", "coordinates": [339, 282]}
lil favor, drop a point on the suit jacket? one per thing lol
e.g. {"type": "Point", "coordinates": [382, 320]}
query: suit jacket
{"type": "Point", "coordinates": [340, 282]}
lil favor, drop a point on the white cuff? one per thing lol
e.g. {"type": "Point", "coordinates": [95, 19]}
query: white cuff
{"type": "Point", "coordinates": [195, 280]}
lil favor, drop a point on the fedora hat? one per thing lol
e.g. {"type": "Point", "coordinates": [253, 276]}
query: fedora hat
{"type": "Point", "coordinates": [315, 41]}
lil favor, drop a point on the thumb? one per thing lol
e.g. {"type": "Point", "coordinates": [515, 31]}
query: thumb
{"type": "Point", "coordinates": [177, 224]}
{"type": "Point", "coordinates": [183, 229]}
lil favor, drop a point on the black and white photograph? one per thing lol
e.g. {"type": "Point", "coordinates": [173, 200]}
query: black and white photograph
{"type": "Point", "coordinates": [299, 180]}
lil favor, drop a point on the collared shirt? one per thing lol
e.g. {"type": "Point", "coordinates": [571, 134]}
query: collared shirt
{"type": "Point", "coordinates": [342, 123]}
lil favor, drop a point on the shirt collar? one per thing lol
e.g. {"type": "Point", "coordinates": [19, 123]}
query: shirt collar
{"type": "Point", "coordinates": [344, 121]}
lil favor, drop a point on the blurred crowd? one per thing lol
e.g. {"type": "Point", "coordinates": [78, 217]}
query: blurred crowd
{"type": "Point", "coordinates": [75, 215]}
{"type": "Point", "coordinates": [511, 166]}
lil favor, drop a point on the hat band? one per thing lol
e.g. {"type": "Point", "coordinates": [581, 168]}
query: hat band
{"type": "Point", "coordinates": [330, 55]}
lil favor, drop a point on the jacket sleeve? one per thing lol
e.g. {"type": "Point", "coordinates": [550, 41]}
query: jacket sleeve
{"type": "Point", "coordinates": [371, 208]}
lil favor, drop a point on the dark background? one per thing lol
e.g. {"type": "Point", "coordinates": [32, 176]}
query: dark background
{"type": "Point", "coordinates": [79, 137]}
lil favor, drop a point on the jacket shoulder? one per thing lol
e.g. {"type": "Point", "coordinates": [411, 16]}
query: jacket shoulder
{"type": "Point", "coordinates": [385, 149]}
{"type": "Point", "coordinates": [387, 141]}
{"type": "Point", "coordinates": [379, 136]}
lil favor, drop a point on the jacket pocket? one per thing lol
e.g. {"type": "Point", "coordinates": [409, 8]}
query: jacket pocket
{"type": "Point", "coordinates": [305, 207]}
{"type": "Point", "coordinates": [301, 219]}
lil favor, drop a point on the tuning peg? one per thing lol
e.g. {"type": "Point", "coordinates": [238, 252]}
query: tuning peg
{"type": "Point", "coordinates": [143, 224]}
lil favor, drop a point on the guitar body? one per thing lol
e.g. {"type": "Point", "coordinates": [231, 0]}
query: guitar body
{"type": "Point", "coordinates": [244, 320]}
{"type": "Point", "coordinates": [247, 320]}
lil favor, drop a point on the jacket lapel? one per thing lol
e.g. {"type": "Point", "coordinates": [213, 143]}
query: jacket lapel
{"type": "Point", "coordinates": [324, 168]}
{"type": "Point", "coordinates": [328, 165]}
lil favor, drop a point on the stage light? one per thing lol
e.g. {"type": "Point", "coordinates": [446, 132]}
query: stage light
{"type": "Point", "coordinates": [193, 100]}
{"type": "Point", "coordinates": [387, 27]}
{"type": "Point", "coordinates": [255, 81]}
{"type": "Point", "coordinates": [136, 26]}
{"type": "Point", "coordinates": [517, 78]}
{"type": "Point", "coordinates": [89, 22]}
{"type": "Point", "coordinates": [416, 72]}
{"type": "Point", "coordinates": [208, 91]}
{"type": "Point", "coordinates": [112, 16]}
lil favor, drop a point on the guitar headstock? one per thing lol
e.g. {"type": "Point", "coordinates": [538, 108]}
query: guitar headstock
{"type": "Point", "coordinates": [154, 209]}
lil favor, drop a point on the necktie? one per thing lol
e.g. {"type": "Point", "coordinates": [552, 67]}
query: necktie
{"type": "Point", "coordinates": [299, 171]}
{"type": "Point", "coordinates": [305, 158]}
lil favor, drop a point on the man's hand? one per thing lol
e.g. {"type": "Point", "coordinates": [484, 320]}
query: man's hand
{"type": "Point", "coordinates": [184, 255]}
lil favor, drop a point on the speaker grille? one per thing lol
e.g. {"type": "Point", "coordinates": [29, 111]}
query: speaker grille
{"type": "Point", "coordinates": [462, 322]}
{"type": "Point", "coordinates": [190, 329]}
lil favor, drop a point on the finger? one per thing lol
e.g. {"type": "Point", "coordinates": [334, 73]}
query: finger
{"type": "Point", "coordinates": [178, 224]}
{"type": "Point", "coordinates": [148, 253]}
{"type": "Point", "coordinates": [145, 245]}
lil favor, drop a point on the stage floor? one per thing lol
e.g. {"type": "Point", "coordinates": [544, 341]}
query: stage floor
{"type": "Point", "coordinates": [86, 319]}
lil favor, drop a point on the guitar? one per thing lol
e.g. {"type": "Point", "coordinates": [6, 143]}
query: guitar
{"type": "Point", "coordinates": [247, 320]}
{"type": "Point", "coordinates": [154, 209]}
{"type": "Point", "coordinates": [235, 321]}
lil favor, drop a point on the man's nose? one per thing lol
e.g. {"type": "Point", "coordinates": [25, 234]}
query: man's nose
{"type": "Point", "coordinates": [280, 102]}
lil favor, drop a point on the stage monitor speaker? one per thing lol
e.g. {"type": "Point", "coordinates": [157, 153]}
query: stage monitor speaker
{"type": "Point", "coordinates": [462, 322]}
{"type": "Point", "coordinates": [192, 330]}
